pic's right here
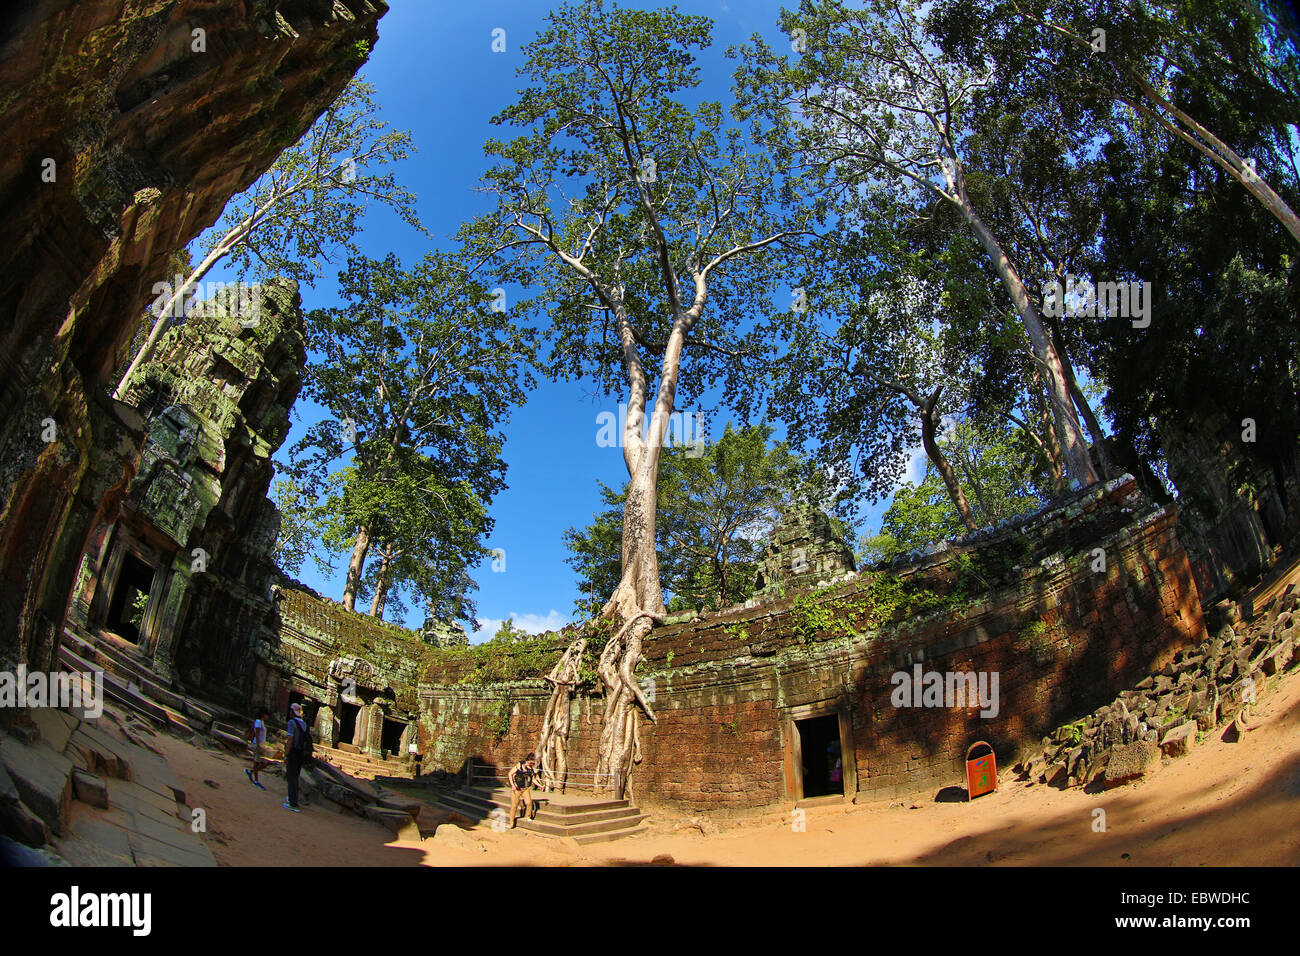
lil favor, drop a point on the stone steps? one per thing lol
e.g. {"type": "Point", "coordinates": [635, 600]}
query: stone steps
{"type": "Point", "coordinates": [97, 800]}
{"type": "Point", "coordinates": [363, 765]}
{"type": "Point", "coordinates": [597, 821]}
{"type": "Point", "coordinates": [130, 682]}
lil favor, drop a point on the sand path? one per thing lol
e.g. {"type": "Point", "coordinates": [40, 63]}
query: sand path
{"type": "Point", "coordinates": [1225, 804]}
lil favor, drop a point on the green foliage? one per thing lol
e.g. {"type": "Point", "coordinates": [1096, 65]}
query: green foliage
{"type": "Point", "coordinates": [501, 661]}
{"type": "Point", "coordinates": [737, 632]}
{"type": "Point", "coordinates": [499, 725]}
{"type": "Point", "coordinates": [302, 522]}
{"type": "Point", "coordinates": [999, 478]}
{"type": "Point", "coordinates": [420, 374]}
{"type": "Point", "coordinates": [716, 502]}
{"type": "Point", "coordinates": [1035, 636]}
{"type": "Point", "coordinates": [139, 601]}
{"type": "Point", "coordinates": [305, 211]}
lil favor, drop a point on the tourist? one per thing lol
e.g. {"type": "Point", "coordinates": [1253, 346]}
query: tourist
{"type": "Point", "coordinates": [256, 743]}
{"type": "Point", "coordinates": [297, 751]}
{"type": "Point", "coordinates": [522, 777]}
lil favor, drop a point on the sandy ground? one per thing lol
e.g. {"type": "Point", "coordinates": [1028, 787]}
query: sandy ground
{"type": "Point", "coordinates": [1225, 804]}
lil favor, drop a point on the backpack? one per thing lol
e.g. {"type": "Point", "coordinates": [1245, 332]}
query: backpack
{"type": "Point", "coordinates": [301, 745]}
{"type": "Point", "coordinates": [523, 779]}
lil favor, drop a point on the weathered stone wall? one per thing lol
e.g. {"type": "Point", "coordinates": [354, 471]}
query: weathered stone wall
{"type": "Point", "coordinates": [1061, 636]}
{"type": "Point", "coordinates": [218, 396]}
{"type": "Point", "coordinates": [314, 647]}
{"type": "Point", "coordinates": [1237, 515]}
{"type": "Point", "coordinates": [148, 140]}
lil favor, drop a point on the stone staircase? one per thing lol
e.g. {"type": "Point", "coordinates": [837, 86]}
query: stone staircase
{"type": "Point", "coordinates": [585, 819]}
{"type": "Point", "coordinates": [363, 766]}
{"type": "Point", "coordinates": [129, 681]}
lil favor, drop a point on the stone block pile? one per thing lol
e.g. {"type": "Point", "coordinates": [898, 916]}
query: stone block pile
{"type": "Point", "coordinates": [1168, 712]}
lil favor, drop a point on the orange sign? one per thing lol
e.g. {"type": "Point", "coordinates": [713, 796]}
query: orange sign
{"type": "Point", "coordinates": [981, 771]}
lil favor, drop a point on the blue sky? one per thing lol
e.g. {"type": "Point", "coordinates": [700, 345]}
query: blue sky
{"type": "Point", "coordinates": [436, 75]}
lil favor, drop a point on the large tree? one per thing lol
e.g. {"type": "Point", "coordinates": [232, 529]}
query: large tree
{"type": "Point", "coordinates": [420, 372]}
{"type": "Point", "coordinates": [646, 227]}
{"type": "Point", "coordinates": [871, 105]}
{"type": "Point", "coordinates": [303, 212]}
{"type": "Point", "coordinates": [1145, 57]}
{"type": "Point", "coordinates": [714, 510]}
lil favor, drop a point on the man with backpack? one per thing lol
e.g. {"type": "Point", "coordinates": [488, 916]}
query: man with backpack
{"type": "Point", "coordinates": [297, 752]}
{"type": "Point", "coordinates": [256, 743]}
{"type": "Point", "coordinates": [521, 777]}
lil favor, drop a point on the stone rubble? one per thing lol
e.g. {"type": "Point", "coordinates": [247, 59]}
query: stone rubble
{"type": "Point", "coordinates": [1166, 713]}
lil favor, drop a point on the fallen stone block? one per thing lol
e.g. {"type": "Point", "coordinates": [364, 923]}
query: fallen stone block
{"type": "Point", "coordinates": [1131, 762]}
{"type": "Point", "coordinates": [1277, 660]}
{"type": "Point", "coordinates": [1180, 740]}
{"type": "Point", "coordinates": [25, 826]}
{"type": "Point", "coordinates": [43, 779]}
{"type": "Point", "coordinates": [55, 726]}
{"type": "Point", "coordinates": [452, 836]}
{"type": "Point", "coordinates": [90, 789]}
{"type": "Point", "coordinates": [397, 821]}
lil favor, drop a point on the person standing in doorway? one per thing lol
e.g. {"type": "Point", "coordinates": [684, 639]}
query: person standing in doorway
{"type": "Point", "coordinates": [297, 752]}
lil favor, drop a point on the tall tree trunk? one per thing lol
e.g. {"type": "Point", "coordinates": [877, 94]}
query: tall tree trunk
{"type": "Point", "coordinates": [1050, 444]}
{"type": "Point", "coordinates": [929, 429]}
{"type": "Point", "coordinates": [1074, 450]}
{"type": "Point", "coordinates": [382, 581]}
{"type": "Point", "coordinates": [355, 565]}
{"type": "Point", "coordinates": [1100, 451]}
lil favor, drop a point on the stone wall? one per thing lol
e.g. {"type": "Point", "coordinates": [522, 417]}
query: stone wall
{"type": "Point", "coordinates": [1238, 514]}
{"type": "Point", "coordinates": [122, 143]}
{"type": "Point", "coordinates": [1061, 635]}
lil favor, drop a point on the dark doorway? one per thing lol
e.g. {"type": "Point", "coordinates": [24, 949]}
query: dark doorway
{"type": "Point", "coordinates": [823, 764]}
{"type": "Point", "coordinates": [347, 721]}
{"type": "Point", "coordinates": [130, 598]}
{"type": "Point", "coordinates": [392, 737]}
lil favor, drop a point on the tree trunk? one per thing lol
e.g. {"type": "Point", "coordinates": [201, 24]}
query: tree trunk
{"type": "Point", "coordinates": [357, 562]}
{"type": "Point", "coordinates": [164, 321]}
{"type": "Point", "coordinates": [637, 601]}
{"type": "Point", "coordinates": [1050, 444]}
{"type": "Point", "coordinates": [1081, 403]}
{"type": "Point", "coordinates": [553, 743]}
{"type": "Point", "coordinates": [1074, 450]}
{"type": "Point", "coordinates": [929, 427]}
{"type": "Point", "coordinates": [381, 584]}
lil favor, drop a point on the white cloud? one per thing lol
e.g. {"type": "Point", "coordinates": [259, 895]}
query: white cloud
{"type": "Point", "coordinates": [913, 469]}
{"type": "Point", "coordinates": [529, 623]}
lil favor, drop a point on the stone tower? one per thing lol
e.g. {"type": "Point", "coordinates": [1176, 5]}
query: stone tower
{"type": "Point", "coordinates": [802, 550]}
{"type": "Point", "coordinates": [184, 571]}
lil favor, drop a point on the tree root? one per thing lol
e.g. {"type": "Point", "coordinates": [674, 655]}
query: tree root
{"type": "Point", "coordinates": [553, 744]}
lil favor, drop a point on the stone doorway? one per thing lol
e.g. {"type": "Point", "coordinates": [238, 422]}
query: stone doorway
{"type": "Point", "coordinates": [348, 722]}
{"type": "Point", "coordinates": [822, 756]}
{"type": "Point", "coordinates": [391, 741]}
{"type": "Point", "coordinates": [129, 604]}
{"type": "Point", "coordinates": [818, 737]}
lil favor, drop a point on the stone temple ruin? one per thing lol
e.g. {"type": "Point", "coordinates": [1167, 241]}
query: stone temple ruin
{"type": "Point", "coordinates": [178, 598]}
{"type": "Point", "coordinates": [802, 551]}
{"type": "Point", "coordinates": [136, 537]}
